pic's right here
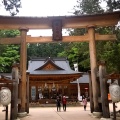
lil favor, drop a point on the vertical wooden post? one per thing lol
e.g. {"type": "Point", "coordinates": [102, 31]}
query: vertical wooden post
{"type": "Point", "coordinates": [27, 104]}
{"type": "Point", "coordinates": [14, 99]}
{"type": "Point", "coordinates": [91, 93]}
{"type": "Point", "coordinates": [114, 111]}
{"type": "Point", "coordinates": [103, 88]}
{"type": "Point", "coordinates": [69, 91]}
{"type": "Point", "coordinates": [62, 89]}
{"type": "Point", "coordinates": [6, 113]}
{"type": "Point", "coordinates": [92, 49]}
{"type": "Point", "coordinates": [19, 95]}
{"type": "Point", "coordinates": [23, 62]}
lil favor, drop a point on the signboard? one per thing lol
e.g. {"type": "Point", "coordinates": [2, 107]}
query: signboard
{"type": "Point", "coordinates": [33, 92]}
{"type": "Point", "coordinates": [57, 30]}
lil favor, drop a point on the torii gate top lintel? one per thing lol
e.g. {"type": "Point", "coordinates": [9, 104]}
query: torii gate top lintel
{"type": "Point", "coordinates": [82, 21]}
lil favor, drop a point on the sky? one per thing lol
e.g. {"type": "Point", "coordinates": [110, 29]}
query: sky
{"type": "Point", "coordinates": [47, 7]}
{"type": "Point", "coordinates": [43, 8]}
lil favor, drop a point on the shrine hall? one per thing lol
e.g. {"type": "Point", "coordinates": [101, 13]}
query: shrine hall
{"type": "Point", "coordinates": [50, 77]}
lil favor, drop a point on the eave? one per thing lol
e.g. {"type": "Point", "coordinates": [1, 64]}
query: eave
{"type": "Point", "coordinates": [54, 78]}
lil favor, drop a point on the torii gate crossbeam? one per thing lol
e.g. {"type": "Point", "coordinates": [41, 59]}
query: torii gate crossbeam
{"type": "Point", "coordinates": [82, 21]}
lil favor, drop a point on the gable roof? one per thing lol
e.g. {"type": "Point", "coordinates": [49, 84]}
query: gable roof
{"type": "Point", "coordinates": [36, 66]}
{"type": "Point", "coordinates": [49, 62]}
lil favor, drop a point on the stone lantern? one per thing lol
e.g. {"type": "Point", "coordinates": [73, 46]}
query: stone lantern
{"type": "Point", "coordinates": [114, 90]}
{"type": "Point", "coordinates": [5, 96]}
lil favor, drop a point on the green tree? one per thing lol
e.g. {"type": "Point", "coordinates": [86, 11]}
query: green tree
{"type": "Point", "coordinates": [45, 49]}
{"type": "Point", "coordinates": [8, 53]}
{"type": "Point", "coordinates": [112, 5]}
{"type": "Point", "coordinates": [9, 56]}
{"type": "Point", "coordinates": [12, 6]}
{"type": "Point", "coordinates": [77, 53]}
{"type": "Point", "coordinates": [88, 7]}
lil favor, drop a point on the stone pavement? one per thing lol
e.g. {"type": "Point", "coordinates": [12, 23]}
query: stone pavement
{"type": "Point", "coordinates": [72, 113]}
{"type": "Point", "coordinates": [50, 113]}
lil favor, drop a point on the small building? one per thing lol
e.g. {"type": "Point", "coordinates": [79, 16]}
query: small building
{"type": "Point", "coordinates": [84, 84]}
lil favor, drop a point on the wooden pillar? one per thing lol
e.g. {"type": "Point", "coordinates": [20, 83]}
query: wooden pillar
{"type": "Point", "coordinates": [62, 89]}
{"type": "Point", "coordinates": [103, 88]}
{"type": "Point", "coordinates": [27, 104]}
{"type": "Point", "coordinates": [19, 93]}
{"type": "Point", "coordinates": [37, 92]}
{"type": "Point", "coordinates": [23, 62]}
{"type": "Point", "coordinates": [91, 93]}
{"type": "Point", "coordinates": [92, 49]}
{"type": "Point", "coordinates": [14, 98]}
{"type": "Point", "coordinates": [69, 91]}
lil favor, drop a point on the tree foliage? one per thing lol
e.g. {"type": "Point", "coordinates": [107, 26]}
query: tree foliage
{"type": "Point", "coordinates": [77, 53]}
{"type": "Point", "coordinates": [8, 53]}
{"type": "Point", "coordinates": [112, 5]}
{"type": "Point", "coordinates": [45, 49]}
{"type": "Point", "coordinates": [12, 6]}
{"type": "Point", "coordinates": [88, 7]}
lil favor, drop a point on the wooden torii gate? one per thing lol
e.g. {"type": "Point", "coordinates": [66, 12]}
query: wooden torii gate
{"type": "Point", "coordinates": [84, 21]}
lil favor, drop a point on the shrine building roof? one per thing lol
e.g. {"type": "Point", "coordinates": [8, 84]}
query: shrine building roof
{"type": "Point", "coordinates": [50, 66]}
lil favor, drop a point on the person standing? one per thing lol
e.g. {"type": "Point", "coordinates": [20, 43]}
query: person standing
{"type": "Point", "coordinates": [58, 103]}
{"type": "Point", "coordinates": [64, 101]}
{"type": "Point", "coordinates": [84, 103]}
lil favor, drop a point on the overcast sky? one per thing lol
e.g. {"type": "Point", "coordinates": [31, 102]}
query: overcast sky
{"type": "Point", "coordinates": [43, 8]}
{"type": "Point", "coordinates": [47, 7]}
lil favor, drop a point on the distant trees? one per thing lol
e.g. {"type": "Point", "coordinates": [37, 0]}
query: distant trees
{"type": "Point", "coordinates": [45, 49]}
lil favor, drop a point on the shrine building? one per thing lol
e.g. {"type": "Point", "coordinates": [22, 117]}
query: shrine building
{"type": "Point", "coordinates": [50, 77]}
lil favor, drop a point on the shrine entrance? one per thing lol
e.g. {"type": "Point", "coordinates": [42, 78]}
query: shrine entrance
{"type": "Point", "coordinates": [57, 24]}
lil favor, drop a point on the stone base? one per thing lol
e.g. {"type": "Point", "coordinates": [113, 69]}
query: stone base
{"type": "Point", "coordinates": [106, 119]}
{"type": "Point", "coordinates": [22, 114]}
{"type": "Point", "coordinates": [17, 119]}
{"type": "Point", "coordinates": [97, 114]}
{"type": "Point", "coordinates": [117, 115]}
{"type": "Point", "coordinates": [90, 114]}
{"type": "Point", "coordinates": [117, 118]}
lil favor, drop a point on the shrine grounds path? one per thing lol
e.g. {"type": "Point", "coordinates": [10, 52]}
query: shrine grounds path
{"type": "Point", "coordinates": [50, 113]}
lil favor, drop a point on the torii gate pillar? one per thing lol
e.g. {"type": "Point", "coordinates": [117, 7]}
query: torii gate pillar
{"type": "Point", "coordinates": [23, 62]}
{"type": "Point", "coordinates": [93, 62]}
